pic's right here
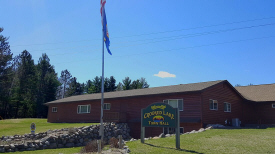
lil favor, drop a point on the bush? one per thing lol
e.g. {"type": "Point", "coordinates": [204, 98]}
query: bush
{"type": "Point", "coordinates": [91, 147]}
{"type": "Point", "coordinates": [113, 142]}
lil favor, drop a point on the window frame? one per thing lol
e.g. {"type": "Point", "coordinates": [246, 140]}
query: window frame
{"type": "Point", "coordinates": [213, 102]}
{"type": "Point", "coordinates": [226, 103]}
{"type": "Point", "coordinates": [106, 106]}
{"type": "Point", "coordinates": [87, 111]}
{"type": "Point", "coordinates": [54, 109]}
{"type": "Point", "coordinates": [167, 100]}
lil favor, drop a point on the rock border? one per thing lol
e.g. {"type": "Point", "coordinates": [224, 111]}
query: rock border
{"type": "Point", "coordinates": [63, 138]}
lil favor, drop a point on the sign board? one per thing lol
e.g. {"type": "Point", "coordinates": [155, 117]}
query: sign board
{"type": "Point", "coordinates": [33, 127]}
{"type": "Point", "coordinates": [159, 115]}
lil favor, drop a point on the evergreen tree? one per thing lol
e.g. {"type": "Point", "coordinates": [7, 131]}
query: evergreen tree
{"type": "Point", "coordinates": [25, 88]}
{"type": "Point", "coordinates": [112, 84]}
{"type": "Point", "coordinates": [47, 84]}
{"type": "Point", "coordinates": [136, 84]}
{"type": "Point", "coordinates": [65, 78]}
{"type": "Point", "coordinates": [87, 86]}
{"type": "Point", "coordinates": [143, 83]}
{"type": "Point", "coordinates": [96, 85]}
{"type": "Point", "coordinates": [126, 83]}
{"type": "Point", "coordinates": [6, 75]}
{"type": "Point", "coordinates": [139, 84]}
{"type": "Point", "coordinates": [75, 88]}
{"type": "Point", "coordinates": [119, 87]}
{"type": "Point", "coordinates": [106, 85]}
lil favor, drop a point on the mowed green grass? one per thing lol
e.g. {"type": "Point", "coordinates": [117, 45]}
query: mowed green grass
{"type": "Point", "coordinates": [52, 151]}
{"type": "Point", "coordinates": [212, 141]}
{"type": "Point", "coordinates": [209, 142]}
{"type": "Point", "coordinates": [22, 126]}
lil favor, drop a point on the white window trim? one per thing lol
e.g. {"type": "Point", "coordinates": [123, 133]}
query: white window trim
{"type": "Point", "coordinates": [227, 106]}
{"type": "Point", "coordinates": [88, 111]}
{"type": "Point", "coordinates": [106, 104]}
{"type": "Point", "coordinates": [54, 109]}
{"type": "Point", "coordinates": [213, 100]}
{"type": "Point", "coordinates": [273, 105]}
{"type": "Point", "coordinates": [177, 103]}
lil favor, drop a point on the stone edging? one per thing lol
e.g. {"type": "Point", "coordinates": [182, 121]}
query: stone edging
{"type": "Point", "coordinates": [63, 138]}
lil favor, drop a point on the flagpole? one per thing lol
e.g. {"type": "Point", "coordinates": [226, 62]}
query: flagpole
{"type": "Point", "coordinates": [101, 131]}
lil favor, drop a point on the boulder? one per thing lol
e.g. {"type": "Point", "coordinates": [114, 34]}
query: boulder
{"type": "Point", "coordinates": [30, 149]}
{"type": "Point", "coordinates": [201, 130]}
{"type": "Point", "coordinates": [69, 145]}
{"type": "Point", "coordinates": [161, 135]}
{"type": "Point", "coordinates": [2, 150]}
{"type": "Point", "coordinates": [60, 146]}
{"type": "Point", "coordinates": [6, 147]}
{"type": "Point", "coordinates": [81, 140]}
{"type": "Point", "coordinates": [53, 146]}
{"type": "Point", "coordinates": [47, 143]}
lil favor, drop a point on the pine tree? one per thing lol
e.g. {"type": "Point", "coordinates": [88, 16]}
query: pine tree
{"type": "Point", "coordinates": [75, 88]}
{"type": "Point", "coordinates": [6, 75]}
{"type": "Point", "coordinates": [47, 84]}
{"type": "Point", "coordinates": [25, 88]}
{"type": "Point", "coordinates": [87, 86]}
{"type": "Point", "coordinates": [112, 84]}
{"type": "Point", "coordinates": [96, 85]}
{"type": "Point", "coordinates": [119, 87]}
{"type": "Point", "coordinates": [65, 78]}
{"type": "Point", "coordinates": [126, 83]}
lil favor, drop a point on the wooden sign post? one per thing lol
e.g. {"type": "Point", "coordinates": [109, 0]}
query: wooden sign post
{"type": "Point", "coordinates": [160, 115]}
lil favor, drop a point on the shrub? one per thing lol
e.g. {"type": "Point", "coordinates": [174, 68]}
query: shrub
{"type": "Point", "coordinates": [113, 142]}
{"type": "Point", "coordinates": [91, 147]}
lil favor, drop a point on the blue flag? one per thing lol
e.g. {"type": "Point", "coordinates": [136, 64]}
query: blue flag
{"type": "Point", "coordinates": [105, 30]}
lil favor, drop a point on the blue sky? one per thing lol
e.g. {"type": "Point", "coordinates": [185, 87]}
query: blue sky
{"type": "Point", "coordinates": [166, 42]}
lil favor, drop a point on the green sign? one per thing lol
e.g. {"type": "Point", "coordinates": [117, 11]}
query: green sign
{"type": "Point", "coordinates": [159, 115]}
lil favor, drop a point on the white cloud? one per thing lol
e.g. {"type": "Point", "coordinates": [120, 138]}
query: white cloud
{"type": "Point", "coordinates": [162, 74]}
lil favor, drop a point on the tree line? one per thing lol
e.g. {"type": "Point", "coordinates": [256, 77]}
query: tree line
{"type": "Point", "coordinates": [26, 86]}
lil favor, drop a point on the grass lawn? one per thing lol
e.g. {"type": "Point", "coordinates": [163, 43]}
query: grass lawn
{"type": "Point", "coordinates": [212, 141]}
{"type": "Point", "coordinates": [22, 126]}
{"type": "Point", "coordinates": [51, 151]}
{"type": "Point", "coordinates": [208, 142]}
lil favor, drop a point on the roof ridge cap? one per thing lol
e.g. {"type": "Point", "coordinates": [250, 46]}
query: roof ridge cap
{"type": "Point", "coordinates": [257, 85]}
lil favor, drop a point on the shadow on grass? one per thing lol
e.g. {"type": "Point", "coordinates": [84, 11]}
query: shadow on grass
{"type": "Point", "coordinates": [190, 151]}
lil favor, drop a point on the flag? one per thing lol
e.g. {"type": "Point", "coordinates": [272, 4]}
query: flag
{"type": "Point", "coordinates": [104, 24]}
{"type": "Point", "coordinates": [102, 5]}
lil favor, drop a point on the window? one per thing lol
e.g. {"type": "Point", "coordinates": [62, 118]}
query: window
{"type": "Point", "coordinates": [227, 107]}
{"type": "Point", "coordinates": [213, 104]}
{"type": "Point", "coordinates": [54, 109]}
{"type": "Point", "coordinates": [107, 106]}
{"type": "Point", "coordinates": [83, 109]}
{"type": "Point", "coordinates": [175, 103]}
{"type": "Point", "coordinates": [170, 130]}
{"type": "Point", "coordinates": [273, 105]}
{"type": "Point", "coordinates": [181, 130]}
